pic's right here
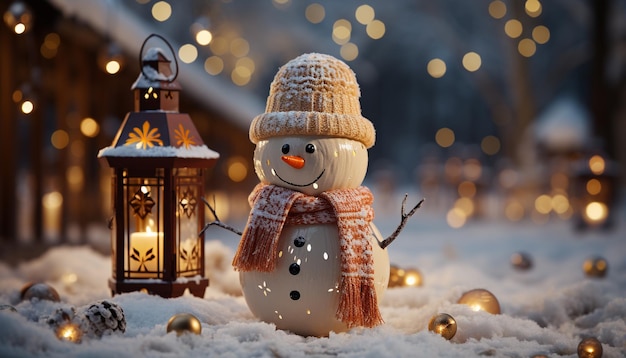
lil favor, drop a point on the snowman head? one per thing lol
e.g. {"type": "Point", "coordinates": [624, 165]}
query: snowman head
{"type": "Point", "coordinates": [312, 136]}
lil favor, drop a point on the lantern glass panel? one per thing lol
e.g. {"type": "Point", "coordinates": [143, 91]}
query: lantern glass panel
{"type": "Point", "coordinates": [189, 214]}
{"type": "Point", "coordinates": [144, 226]}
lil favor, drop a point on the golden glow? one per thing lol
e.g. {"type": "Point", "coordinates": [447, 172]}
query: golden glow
{"type": "Point", "coordinates": [349, 51]}
{"type": "Point", "coordinates": [436, 68]}
{"type": "Point", "coordinates": [315, 13]}
{"type": "Point", "coordinates": [89, 127]}
{"type": "Point", "coordinates": [375, 29]}
{"type": "Point", "coordinates": [594, 186]}
{"type": "Point", "coordinates": [52, 200]}
{"type": "Point", "coordinates": [50, 45]}
{"type": "Point", "coordinates": [214, 65]}
{"type": "Point", "coordinates": [456, 218]}
{"type": "Point", "coordinates": [69, 332]}
{"type": "Point", "coordinates": [513, 28]}
{"type": "Point", "coordinates": [19, 28]}
{"type": "Point", "coordinates": [497, 9]}
{"type": "Point", "coordinates": [541, 34]}
{"type": "Point", "coordinates": [597, 164]}
{"type": "Point", "coordinates": [17, 96]}
{"type": "Point", "coordinates": [27, 107]}
{"type": "Point", "coordinates": [204, 37]}
{"type": "Point", "coordinates": [543, 204]}
{"type": "Point", "coordinates": [467, 189]}
{"type": "Point", "coordinates": [237, 169]}
{"type": "Point", "coordinates": [490, 145]}
{"type": "Point", "coordinates": [596, 211]}
{"type": "Point", "coordinates": [412, 278]}
{"type": "Point", "coordinates": [219, 45]}
{"type": "Point", "coordinates": [239, 47]}
{"type": "Point", "coordinates": [75, 178]}
{"type": "Point", "coordinates": [527, 47]}
{"type": "Point", "coordinates": [241, 75]}
{"type": "Point", "coordinates": [444, 137]}
{"type": "Point", "coordinates": [472, 169]}
{"type": "Point", "coordinates": [59, 139]}
{"type": "Point", "coordinates": [161, 11]}
{"type": "Point", "coordinates": [364, 14]}
{"type": "Point", "coordinates": [188, 53]}
{"type": "Point", "coordinates": [342, 30]}
{"type": "Point", "coordinates": [466, 205]}
{"type": "Point", "coordinates": [112, 67]}
{"type": "Point", "coordinates": [246, 62]}
{"type": "Point", "coordinates": [514, 210]}
{"type": "Point", "coordinates": [472, 61]}
{"type": "Point", "coordinates": [533, 8]}
{"type": "Point", "coordinates": [560, 203]}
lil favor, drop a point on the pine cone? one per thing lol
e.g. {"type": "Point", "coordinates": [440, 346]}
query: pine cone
{"type": "Point", "coordinates": [59, 317]}
{"type": "Point", "coordinates": [102, 318]}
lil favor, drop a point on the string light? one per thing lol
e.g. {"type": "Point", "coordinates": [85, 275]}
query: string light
{"type": "Point", "coordinates": [161, 11]}
{"type": "Point", "coordinates": [436, 68]}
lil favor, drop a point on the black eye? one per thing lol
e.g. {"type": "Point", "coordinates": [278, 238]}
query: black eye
{"type": "Point", "coordinates": [285, 148]}
{"type": "Point", "coordinates": [310, 148]}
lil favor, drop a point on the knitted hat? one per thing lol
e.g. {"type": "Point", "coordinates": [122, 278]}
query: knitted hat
{"type": "Point", "coordinates": [313, 94]}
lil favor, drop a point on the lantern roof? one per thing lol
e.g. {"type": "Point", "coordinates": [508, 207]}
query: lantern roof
{"type": "Point", "coordinates": [156, 71]}
{"type": "Point", "coordinates": [156, 138]}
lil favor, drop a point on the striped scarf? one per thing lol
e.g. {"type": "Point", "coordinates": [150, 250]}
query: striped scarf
{"type": "Point", "coordinates": [274, 206]}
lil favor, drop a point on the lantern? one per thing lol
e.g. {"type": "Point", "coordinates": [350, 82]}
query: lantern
{"type": "Point", "coordinates": [595, 191]}
{"type": "Point", "coordinates": [158, 161]}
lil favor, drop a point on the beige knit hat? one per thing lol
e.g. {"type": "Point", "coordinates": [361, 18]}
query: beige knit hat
{"type": "Point", "coordinates": [313, 94]}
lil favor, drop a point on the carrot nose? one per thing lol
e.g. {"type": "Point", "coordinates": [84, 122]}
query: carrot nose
{"type": "Point", "coordinates": [293, 160]}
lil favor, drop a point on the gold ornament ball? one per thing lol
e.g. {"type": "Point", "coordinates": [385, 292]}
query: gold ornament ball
{"type": "Point", "coordinates": [412, 278]}
{"type": "Point", "coordinates": [184, 322]}
{"type": "Point", "coordinates": [521, 261]}
{"type": "Point", "coordinates": [396, 276]}
{"type": "Point", "coordinates": [480, 300]}
{"type": "Point", "coordinates": [595, 267]}
{"type": "Point", "coordinates": [69, 332]}
{"type": "Point", "coordinates": [590, 348]}
{"type": "Point", "coordinates": [40, 291]}
{"type": "Point", "coordinates": [443, 324]}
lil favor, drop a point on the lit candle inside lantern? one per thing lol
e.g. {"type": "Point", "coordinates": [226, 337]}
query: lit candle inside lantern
{"type": "Point", "coordinates": [145, 258]}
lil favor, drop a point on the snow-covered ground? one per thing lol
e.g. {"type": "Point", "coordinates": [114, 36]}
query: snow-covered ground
{"type": "Point", "coordinates": [545, 310]}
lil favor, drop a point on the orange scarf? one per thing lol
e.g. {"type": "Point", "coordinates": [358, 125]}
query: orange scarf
{"type": "Point", "coordinates": [274, 206]}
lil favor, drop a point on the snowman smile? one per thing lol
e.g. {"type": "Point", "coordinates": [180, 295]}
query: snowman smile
{"type": "Point", "coordinates": [298, 185]}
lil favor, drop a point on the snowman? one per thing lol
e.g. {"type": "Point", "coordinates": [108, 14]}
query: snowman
{"type": "Point", "coordinates": [311, 260]}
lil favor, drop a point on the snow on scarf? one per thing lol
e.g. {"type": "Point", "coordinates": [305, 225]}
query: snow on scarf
{"type": "Point", "coordinates": [274, 206]}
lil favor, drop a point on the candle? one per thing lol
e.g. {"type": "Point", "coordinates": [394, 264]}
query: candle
{"type": "Point", "coordinates": [145, 259]}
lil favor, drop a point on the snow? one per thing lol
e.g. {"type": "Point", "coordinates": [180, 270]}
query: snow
{"type": "Point", "coordinates": [194, 151]}
{"type": "Point", "coordinates": [547, 309]}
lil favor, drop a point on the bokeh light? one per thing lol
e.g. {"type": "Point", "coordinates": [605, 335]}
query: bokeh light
{"type": "Point", "coordinates": [315, 13]}
{"type": "Point", "coordinates": [497, 9]}
{"type": "Point", "coordinates": [471, 61]}
{"type": "Point", "coordinates": [541, 34]}
{"type": "Point", "coordinates": [342, 30]}
{"type": "Point", "coordinates": [89, 127]}
{"type": "Point", "coordinates": [239, 47]}
{"type": "Point", "coordinates": [527, 47]}
{"type": "Point", "coordinates": [59, 139]}
{"type": "Point", "coordinates": [214, 65]}
{"type": "Point", "coordinates": [161, 11]}
{"type": "Point", "coordinates": [188, 53]}
{"type": "Point", "coordinates": [365, 14]}
{"type": "Point", "coordinates": [490, 145]}
{"type": "Point", "coordinates": [375, 29]}
{"type": "Point", "coordinates": [349, 51]}
{"type": "Point", "coordinates": [513, 28]}
{"type": "Point", "coordinates": [436, 68]}
{"type": "Point", "coordinates": [204, 37]}
{"type": "Point", "coordinates": [444, 137]}
{"type": "Point", "coordinates": [597, 164]}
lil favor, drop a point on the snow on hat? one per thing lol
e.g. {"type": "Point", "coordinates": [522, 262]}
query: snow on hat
{"type": "Point", "coordinates": [314, 94]}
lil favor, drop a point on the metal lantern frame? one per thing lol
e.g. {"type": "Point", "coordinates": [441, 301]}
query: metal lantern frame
{"type": "Point", "coordinates": [158, 161]}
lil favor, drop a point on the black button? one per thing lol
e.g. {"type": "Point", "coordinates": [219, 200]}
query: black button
{"type": "Point", "coordinates": [294, 269]}
{"type": "Point", "coordinates": [299, 241]}
{"type": "Point", "coordinates": [295, 295]}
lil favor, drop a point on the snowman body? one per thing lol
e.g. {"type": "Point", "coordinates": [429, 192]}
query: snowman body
{"type": "Point", "coordinates": [301, 294]}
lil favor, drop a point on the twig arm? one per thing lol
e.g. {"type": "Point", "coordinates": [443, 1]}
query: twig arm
{"type": "Point", "coordinates": [217, 221]}
{"type": "Point", "coordinates": [404, 217]}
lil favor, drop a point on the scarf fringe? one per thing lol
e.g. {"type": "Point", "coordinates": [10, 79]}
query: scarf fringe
{"type": "Point", "coordinates": [358, 306]}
